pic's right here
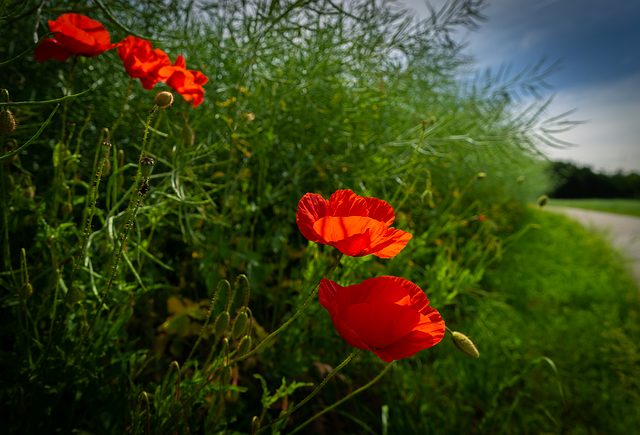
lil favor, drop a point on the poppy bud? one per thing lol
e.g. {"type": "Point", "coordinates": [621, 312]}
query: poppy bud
{"type": "Point", "coordinates": [255, 425]}
{"type": "Point", "coordinates": [221, 324]}
{"type": "Point", "coordinates": [542, 201]}
{"type": "Point", "coordinates": [25, 291]}
{"type": "Point", "coordinates": [146, 166]}
{"type": "Point", "coordinates": [481, 176]}
{"type": "Point", "coordinates": [244, 346]}
{"type": "Point", "coordinates": [120, 159]}
{"type": "Point", "coordinates": [188, 135]}
{"type": "Point", "coordinates": [66, 208]}
{"type": "Point", "coordinates": [8, 122]}
{"type": "Point", "coordinates": [465, 344]}
{"type": "Point", "coordinates": [240, 325]}
{"type": "Point", "coordinates": [520, 179]}
{"type": "Point", "coordinates": [107, 145]}
{"type": "Point", "coordinates": [107, 167]}
{"type": "Point", "coordinates": [535, 227]}
{"type": "Point", "coordinates": [225, 376]}
{"type": "Point", "coordinates": [28, 192]}
{"type": "Point", "coordinates": [164, 99]}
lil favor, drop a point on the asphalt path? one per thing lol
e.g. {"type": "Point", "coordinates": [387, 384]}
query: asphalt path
{"type": "Point", "coordinates": [624, 230]}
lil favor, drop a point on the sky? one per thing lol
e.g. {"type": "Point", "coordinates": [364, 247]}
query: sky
{"type": "Point", "coordinates": [599, 42]}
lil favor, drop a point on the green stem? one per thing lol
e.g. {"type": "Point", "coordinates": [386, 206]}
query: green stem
{"type": "Point", "coordinates": [313, 393]}
{"type": "Point", "coordinates": [359, 390]}
{"type": "Point", "coordinates": [67, 93]}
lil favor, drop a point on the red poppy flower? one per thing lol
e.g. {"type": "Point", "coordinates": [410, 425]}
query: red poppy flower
{"type": "Point", "coordinates": [389, 316]}
{"type": "Point", "coordinates": [186, 82]}
{"type": "Point", "coordinates": [78, 35]}
{"type": "Point", "coordinates": [141, 61]}
{"type": "Point", "coordinates": [357, 226]}
{"type": "Point", "coordinates": [482, 218]}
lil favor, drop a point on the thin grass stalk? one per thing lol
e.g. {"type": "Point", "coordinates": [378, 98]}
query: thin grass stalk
{"type": "Point", "coordinates": [313, 393]}
{"type": "Point", "coordinates": [344, 399]}
{"type": "Point", "coordinates": [206, 323]}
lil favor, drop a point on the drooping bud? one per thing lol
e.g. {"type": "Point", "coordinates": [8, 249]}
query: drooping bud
{"type": "Point", "coordinates": [520, 179]}
{"type": "Point", "coordinates": [146, 166]}
{"type": "Point", "coordinates": [25, 291]}
{"type": "Point", "coordinates": [221, 324]}
{"type": "Point", "coordinates": [542, 201]}
{"type": "Point", "coordinates": [66, 208]}
{"type": "Point", "coordinates": [465, 344]}
{"type": "Point", "coordinates": [164, 99]}
{"type": "Point", "coordinates": [240, 325]}
{"type": "Point", "coordinates": [481, 176]}
{"type": "Point", "coordinates": [245, 345]}
{"type": "Point", "coordinates": [8, 122]}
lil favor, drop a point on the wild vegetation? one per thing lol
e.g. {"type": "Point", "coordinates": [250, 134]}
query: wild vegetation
{"type": "Point", "coordinates": [122, 286]}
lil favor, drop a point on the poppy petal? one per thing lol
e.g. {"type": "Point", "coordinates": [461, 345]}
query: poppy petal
{"type": "Point", "coordinates": [382, 289]}
{"type": "Point", "coordinates": [418, 299]}
{"type": "Point", "coordinates": [311, 208]}
{"type": "Point", "coordinates": [51, 49]}
{"type": "Point", "coordinates": [380, 210]}
{"type": "Point", "coordinates": [352, 235]}
{"type": "Point", "coordinates": [346, 203]}
{"type": "Point", "coordinates": [407, 346]}
{"type": "Point", "coordinates": [389, 243]}
{"type": "Point", "coordinates": [380, 324]}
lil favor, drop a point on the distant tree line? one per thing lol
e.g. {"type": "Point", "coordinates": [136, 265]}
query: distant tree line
{"type": "Point", "coordinates": [581, 182]}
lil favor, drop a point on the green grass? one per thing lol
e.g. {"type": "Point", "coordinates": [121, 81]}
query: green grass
{"type": "Point", "coordinates": [558, 337]}
{"type": "Point", "coordinates": [620, 206]}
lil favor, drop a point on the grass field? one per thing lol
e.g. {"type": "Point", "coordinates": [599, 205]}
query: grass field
{"type": "Point", "coordinates": [620, 206]}
{"type": "Point", "coordinates": [558, 341]}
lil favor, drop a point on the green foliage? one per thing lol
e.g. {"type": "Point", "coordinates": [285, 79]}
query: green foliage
{"type": "Point", "coordinates": [303, 97]}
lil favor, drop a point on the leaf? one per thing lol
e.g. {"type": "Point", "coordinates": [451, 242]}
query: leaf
{"type": "Point", "coordinates": [175, 306]}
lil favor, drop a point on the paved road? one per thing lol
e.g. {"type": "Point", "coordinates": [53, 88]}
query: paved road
{"type": "Point", "coordinates": [624, 230]}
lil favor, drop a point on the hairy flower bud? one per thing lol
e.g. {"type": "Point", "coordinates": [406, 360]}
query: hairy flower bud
{"type": "Point", "coordinates": [244, 346]}
{"type": "Point", "coordinates": [542, 201]}
{"type": "Point", "coordinates": [188, 135]}
{"type": "Point", "coordinates": [28, 192]}
{"type": "Point", "coordinates": [164, 99]}
{"type": "Point", "coordinates": [221, 324]}
{"type": "Point", "coordinates": [255, 425]}
{"type": "Point", "coordinates": [520, 179]}
{"type": "Point", "coordinates": [8, 122]}
{"type": "Point", "coordinates": [66, 208]}
{"type": "Point", "coordinates": [465, 344]}
{"type": "Point", "coordinates": [225, 376]}
{"type": "Point", "coordinates": [25, 291]}
{"type": "Point", "coordinates": [240, 325]}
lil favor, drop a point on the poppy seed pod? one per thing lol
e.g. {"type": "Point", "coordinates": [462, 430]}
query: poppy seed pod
{"type": "Point", "coordinates": [240, 325]}
{"type": "Point", "coordinates": [221, 324]}
{"type": "Point", "coordinates": [244, 346]}
{"type": "Point", "coordinates": [25, 291]}
{"type": "Point", "coordinates": [146, 166]}
{"type": "Point", "coordinates": [8, 122]}
{"type": "Point", "coordinates": [465, 344]}
{"type": "Point", "coordinates": [164, 99]}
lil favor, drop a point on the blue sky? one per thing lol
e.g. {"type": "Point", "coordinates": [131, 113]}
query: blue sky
{"type": "Point", "coordinates": [600, 43]}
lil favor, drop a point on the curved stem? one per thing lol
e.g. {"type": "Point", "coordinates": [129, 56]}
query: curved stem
{"type": "Point", "coordinates": [313, 393]}
{"type": "Point", "coordinates": [359, 390]}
